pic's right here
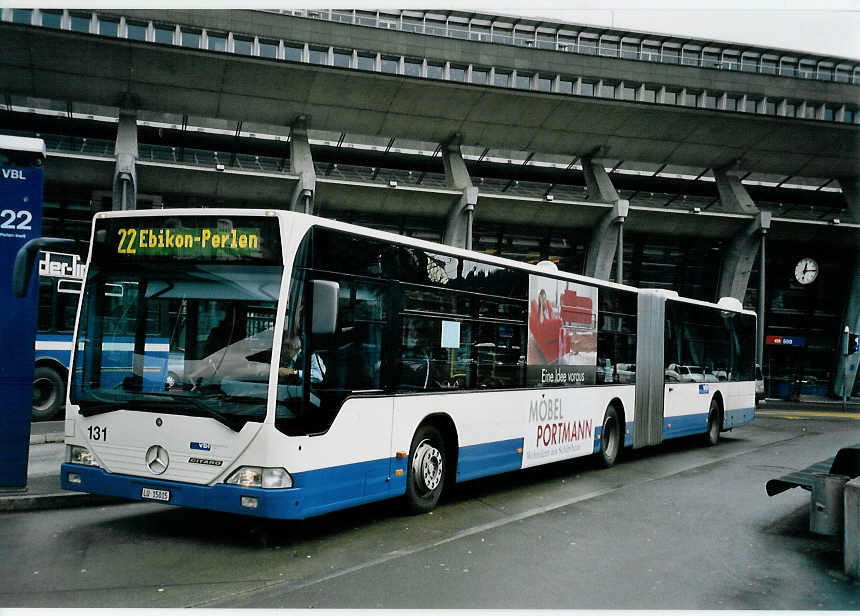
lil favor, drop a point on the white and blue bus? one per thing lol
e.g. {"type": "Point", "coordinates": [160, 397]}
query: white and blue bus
{"type": "Point", "coordinates": [286, 365]}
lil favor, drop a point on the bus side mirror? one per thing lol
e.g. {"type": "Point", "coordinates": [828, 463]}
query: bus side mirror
{"type": "Point", "coordinates": [325, 294]}
{"type": "Point", "coordinates": [26, 257]}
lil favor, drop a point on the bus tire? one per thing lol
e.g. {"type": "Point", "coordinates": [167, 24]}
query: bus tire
{"type": "Point", "coordinates": [426, 469]}
{"type": "Point", "coordinates": [49, 393]}
{"type": "Point", "coordinates": [610, 438]}
{"type": "Point", "coordinates": [712, 436]}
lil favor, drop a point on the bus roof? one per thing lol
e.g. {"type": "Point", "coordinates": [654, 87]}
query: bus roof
{"type": "Point", "coordinates": [310, 220]}
{"type": "Point", "coordinates": [13, 143]}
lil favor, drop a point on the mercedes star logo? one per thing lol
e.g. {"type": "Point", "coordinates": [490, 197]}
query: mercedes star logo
{"type": "Point", "coordinates": [157, 459]}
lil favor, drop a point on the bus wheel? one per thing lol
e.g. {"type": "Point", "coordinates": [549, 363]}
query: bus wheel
{"type": "Point", "coordinates": [48, 393]}
{"type": "Point", "coordinates": [712, 436]}
{"type": "Point", "coordinates": [425, 474]}
{"type": "Point", "coordinates": [610, 438]}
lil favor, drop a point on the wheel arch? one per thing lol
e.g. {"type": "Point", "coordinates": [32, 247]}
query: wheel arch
{"type": "Point", "coordinates": [718, 398]}
{"type": "Point", "coordinates": [53, 364]}
{"type": "Point", "coordinates": [622, 417]}
{"type": "Point", "coordinates": [445, 424]}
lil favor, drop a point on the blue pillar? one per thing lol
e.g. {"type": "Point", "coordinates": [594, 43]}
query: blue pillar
{"type": "Point", "coordinates": [20, 222]}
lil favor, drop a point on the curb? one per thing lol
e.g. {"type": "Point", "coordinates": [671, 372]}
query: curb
{"type": "Point", "coordinates": [60, 500]}
{"type": "Point", "coordinates": [41, 439]}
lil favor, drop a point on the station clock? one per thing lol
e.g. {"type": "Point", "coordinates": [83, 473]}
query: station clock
{"type": "Point", "coordinates": [806, 270]}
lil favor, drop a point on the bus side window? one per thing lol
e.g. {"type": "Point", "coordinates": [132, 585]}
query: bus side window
{"type": "Point", "coordinates": [426, 364]}
{"type": "Point", "coordinates": [353, 353]}
{"type": "Point", "coordinates": [415, 354]}
{"type": "Point", "coordinates": [499, 356]}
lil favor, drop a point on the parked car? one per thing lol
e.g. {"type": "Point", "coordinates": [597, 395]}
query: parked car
{"type": "Point", "coordinates": [684, 374]}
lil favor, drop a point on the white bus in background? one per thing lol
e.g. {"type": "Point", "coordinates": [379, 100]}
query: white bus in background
{"type": "Point", "coordinates": [319, 365]}
{"type": "Point", "coordinates": [61, 276]}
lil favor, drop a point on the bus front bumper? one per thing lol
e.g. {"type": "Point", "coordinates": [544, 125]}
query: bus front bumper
{"type": "Point", "coordinates": [266, 503]}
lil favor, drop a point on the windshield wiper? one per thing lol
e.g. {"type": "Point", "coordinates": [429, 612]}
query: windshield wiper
{"type": "Point", "coordinates": [145, 402]}
{"type": "Point", "coordinates": [234, 423]}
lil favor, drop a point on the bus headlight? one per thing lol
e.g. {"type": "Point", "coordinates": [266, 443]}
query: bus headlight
{"type": "Point", "coordinates": [75, 454]}
{"type": "Point", "coordinates": [260, 477]}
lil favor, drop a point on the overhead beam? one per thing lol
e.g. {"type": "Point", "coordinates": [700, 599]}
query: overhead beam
{"type": "Point", "coordinates": [302, 165]}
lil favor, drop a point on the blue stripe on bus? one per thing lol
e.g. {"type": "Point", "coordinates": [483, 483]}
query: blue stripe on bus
{"type": "Point", "coordinates": [685, 425]}
{"type": "Point", "coordinates": [738, 417]}
{"type": "Point", "coordinates": [313, 493]}
{"type": "Point", "coordinates": [489, 459]}
{"type": "Point", "coordinates": [313, 497]}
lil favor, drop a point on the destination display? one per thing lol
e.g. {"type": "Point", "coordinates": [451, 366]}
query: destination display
{"type": "Point", "coordinates": [194, 238]}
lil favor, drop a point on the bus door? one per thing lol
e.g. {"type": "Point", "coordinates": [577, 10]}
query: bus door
{"type": "Point", "coordinates": [648, 418]}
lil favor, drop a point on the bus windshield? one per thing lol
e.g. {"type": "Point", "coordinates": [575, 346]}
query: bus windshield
{"type": "Point", "coordinates": [186, 339]}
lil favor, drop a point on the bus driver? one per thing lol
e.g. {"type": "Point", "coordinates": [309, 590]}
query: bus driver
{"type": "Point", "coordinates": [292, 361]}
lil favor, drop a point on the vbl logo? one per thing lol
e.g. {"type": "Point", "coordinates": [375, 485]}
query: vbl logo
{"type": "Point", "coordinates": [13, 174]}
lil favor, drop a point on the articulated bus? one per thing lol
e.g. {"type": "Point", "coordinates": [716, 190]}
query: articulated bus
{"type": "Point", "coordinates": [286, 365]}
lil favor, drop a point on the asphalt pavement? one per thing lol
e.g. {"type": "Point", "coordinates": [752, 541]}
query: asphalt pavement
{"type": "Point", "coordinates": [43, 489]}
{"type": "Point", "coordinates": [678, 526]}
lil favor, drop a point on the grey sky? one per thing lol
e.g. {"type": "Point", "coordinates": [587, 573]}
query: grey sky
{"type": "Point", "coordinates": [823, 27]}
{"type": "Point", "coordinates": [819, 26]}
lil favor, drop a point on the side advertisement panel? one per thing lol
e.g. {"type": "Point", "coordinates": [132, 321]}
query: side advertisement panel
{"type": "Point", "coordinates": [562, 352]}
{"type": "Point", "coordinates": [562, 348]}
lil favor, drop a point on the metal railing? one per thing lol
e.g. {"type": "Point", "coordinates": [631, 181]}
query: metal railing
{"type": "Point", "coordinates": [66, 144]}
{"type": "Point", "coordinates": [591, 48]}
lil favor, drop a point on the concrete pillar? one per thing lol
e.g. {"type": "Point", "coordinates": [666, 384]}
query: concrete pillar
{"type": "Point", "coordinates": [605, 244]}
{"type": "Point", "coordinates": [851, 191]}
{"type": "Point", "coordinates": [607, 235]}
{"type": "Point", "coordinates": [732, 192]}
{"type": "Point", "coordinates": [302, 165]}
{"type": "Point", "coordinates": [125, 150]}
{"type": "Point", "coordinates": [743, 248]}
{"type": "Point", "coordinates": [597, 182]}
{"type": "Point", "coordinates": [458, 223]}
{"type": "Point", "coordinates": [740, 256]}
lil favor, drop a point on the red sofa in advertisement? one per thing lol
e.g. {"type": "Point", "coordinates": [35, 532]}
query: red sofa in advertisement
{"type": "Point", "coordinates": [576, 310]}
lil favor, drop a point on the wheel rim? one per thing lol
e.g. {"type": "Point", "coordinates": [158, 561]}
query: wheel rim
{"type": "Point", "coordinates": [43, 394]}
{"type": "Point", "coordinates": [427, 467]}
{"type": "Point", "coordinates": [610, 439]}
